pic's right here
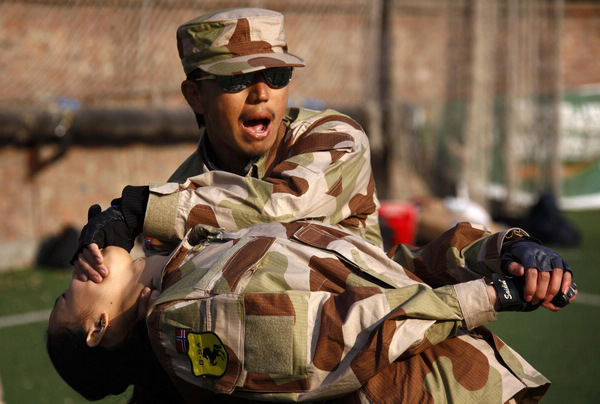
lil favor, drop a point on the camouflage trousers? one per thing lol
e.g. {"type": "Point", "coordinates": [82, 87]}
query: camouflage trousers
{"type": "Point", "coordinates": [475, 367]}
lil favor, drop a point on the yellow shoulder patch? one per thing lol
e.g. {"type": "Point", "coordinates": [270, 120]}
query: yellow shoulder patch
{"type": "Point", "coordinates": [207, 353]}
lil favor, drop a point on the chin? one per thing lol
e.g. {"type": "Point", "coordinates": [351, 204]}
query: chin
{"type": "Point", "coordinates": [254, 155]}
{"type": "Point", "coordinates": [258, 150]}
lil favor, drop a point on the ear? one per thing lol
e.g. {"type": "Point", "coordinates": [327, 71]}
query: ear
{"type": "Point", "coordinates": [97, 330]}
{"type": "Point", "coordinates": [192, 95]}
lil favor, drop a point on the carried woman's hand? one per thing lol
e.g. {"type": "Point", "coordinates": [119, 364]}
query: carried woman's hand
{"type": "Point", "coordinates": [546, 274]}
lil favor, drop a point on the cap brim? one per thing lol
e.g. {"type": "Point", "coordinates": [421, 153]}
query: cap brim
{"type": "Point", "coordinates": [252, 63]}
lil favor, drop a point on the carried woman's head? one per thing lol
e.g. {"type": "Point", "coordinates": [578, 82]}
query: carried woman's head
{"type": "Point", "coordinates": [104, 311]}
{"type": "Point", "coordinates": [95, 338]}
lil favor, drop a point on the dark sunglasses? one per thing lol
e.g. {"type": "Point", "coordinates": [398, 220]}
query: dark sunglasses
{"type": "Point", "coordinates": [277, 77]}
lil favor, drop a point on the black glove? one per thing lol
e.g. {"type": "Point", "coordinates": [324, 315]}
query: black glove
{"type": "Point", "coordinates": [531, 254]}
{"type": "Point", "coordinates": [133, 204]}
{"type": "Point", "coordinates": [118, 225]}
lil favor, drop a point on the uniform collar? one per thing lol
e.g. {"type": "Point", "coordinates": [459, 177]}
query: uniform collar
{"type": "Point", "coordinates": [205, 149]}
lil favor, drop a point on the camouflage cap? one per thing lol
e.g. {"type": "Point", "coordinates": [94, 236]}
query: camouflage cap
{"type": "Point", "coordinates": [234, 41]}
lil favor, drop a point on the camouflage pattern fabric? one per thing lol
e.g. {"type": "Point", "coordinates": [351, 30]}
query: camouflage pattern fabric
{"type": "Point", "coordinates": [234, 41]}
{"type": "Point", "coordinates": [303, 311]}
{"type": "Point", "coordinates": [319, 169]}
{"type": "Point", "coordinates": [468, 251]}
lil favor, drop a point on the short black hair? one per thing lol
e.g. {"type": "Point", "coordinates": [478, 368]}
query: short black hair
{"type": "Point", "coordinates": [92, 372]}
{"type": "Point", "coordinates": [98, 372]}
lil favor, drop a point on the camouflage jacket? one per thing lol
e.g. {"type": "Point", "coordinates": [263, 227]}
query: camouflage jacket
{"type": "Point", "coordinates": [302, 311]}
{"type": "Point", "coordinates": [318, 169]}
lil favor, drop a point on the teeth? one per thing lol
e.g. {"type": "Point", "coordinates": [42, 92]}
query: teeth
{"type": "Point", "coordinates": [258, 125]}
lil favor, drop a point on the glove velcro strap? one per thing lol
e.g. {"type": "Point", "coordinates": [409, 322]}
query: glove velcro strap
{"type": "Point", "coordinates": [510, 293]}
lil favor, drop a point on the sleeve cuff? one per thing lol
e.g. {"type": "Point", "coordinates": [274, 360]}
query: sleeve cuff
{"type": "Point", "coordinates": [161, 214]}
{"type": "Point", "coordinates": [475, 303]}
{"type": "Point", "coordinates": [134, 200]}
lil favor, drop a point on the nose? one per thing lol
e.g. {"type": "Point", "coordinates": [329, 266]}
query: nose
{"type": "Point", "coordinates": [259, 90]}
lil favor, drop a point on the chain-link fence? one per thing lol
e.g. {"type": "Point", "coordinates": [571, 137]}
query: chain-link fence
{"type": "Point", "coordinates": [452, 90]}
{"type": "Point", "coordinates": [124, 53]}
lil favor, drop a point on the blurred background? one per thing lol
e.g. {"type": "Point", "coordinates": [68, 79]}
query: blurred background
{"type": "Point", "coordinates": [492, 103]}
{"type": "Point", "coordinates": [482, 110]}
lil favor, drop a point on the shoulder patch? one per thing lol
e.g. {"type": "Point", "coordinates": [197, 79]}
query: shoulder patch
{"type": "Point", "coordinates": [181, 340]}
{"type": "Point", "coordinates": [207, 354]}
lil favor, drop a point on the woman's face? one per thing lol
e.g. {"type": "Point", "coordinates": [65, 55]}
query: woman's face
{"type": "Point", "coordinates": [112, 302]}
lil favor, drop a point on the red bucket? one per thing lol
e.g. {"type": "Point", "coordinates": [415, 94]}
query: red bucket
{"type": "Point", "coordinates": [401, 219]}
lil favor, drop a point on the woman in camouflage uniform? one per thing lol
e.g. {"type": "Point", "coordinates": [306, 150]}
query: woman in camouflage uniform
{"type": "Point", "coordinates": [302, 312]}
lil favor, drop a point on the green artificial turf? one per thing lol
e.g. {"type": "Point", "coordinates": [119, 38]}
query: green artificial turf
{"type": "Point", "coordinates": [563, 346]}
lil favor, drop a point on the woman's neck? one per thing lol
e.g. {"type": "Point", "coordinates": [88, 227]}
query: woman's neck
{"type": "Point", "coordinates": [153, 266]}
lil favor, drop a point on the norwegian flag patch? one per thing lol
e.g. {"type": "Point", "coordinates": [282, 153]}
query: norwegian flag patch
{"type": "Point", "coordinates": [181, 340]}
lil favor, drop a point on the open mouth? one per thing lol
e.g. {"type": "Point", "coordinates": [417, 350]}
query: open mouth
{"type": "Point", "coordinates": [257, 126]}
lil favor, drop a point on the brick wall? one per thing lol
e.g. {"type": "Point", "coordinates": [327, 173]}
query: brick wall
{"type": "Point", "coordinates": [39, 204]}
{"type": "Point", "coordinates": [580, 50]}
{"type": "Point", "coordinates": [34, 207]}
